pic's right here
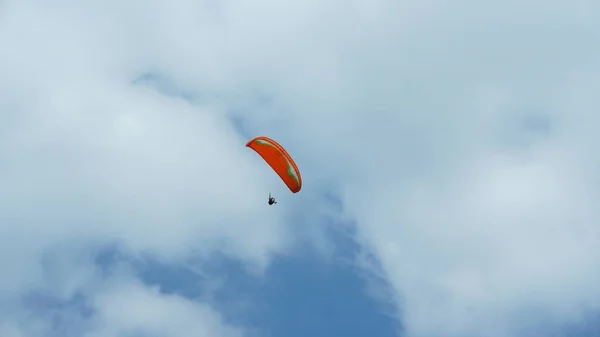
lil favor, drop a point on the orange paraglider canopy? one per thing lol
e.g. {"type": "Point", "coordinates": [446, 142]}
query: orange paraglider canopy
{"type": "Point", "coordinates": [279, 160]}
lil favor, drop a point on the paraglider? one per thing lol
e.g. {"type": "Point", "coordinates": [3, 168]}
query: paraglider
{"type": "Point", "coordinates": [279, 160]}
{"type": "Point", "coordinates": [271, 200]}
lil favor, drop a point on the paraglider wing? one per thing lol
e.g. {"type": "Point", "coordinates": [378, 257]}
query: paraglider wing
{"type": "Point", "coordinates": [279, 160]}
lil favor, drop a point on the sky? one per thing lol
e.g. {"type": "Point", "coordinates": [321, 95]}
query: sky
{"type": "Point", "coordinates": [447, 150]}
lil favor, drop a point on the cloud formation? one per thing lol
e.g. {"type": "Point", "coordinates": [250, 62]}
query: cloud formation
{"type": "Point", "coordinates": [460, 138]}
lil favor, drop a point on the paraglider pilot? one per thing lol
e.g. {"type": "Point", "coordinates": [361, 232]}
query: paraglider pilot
{"type": "Point", "coordinates": [271, 200]}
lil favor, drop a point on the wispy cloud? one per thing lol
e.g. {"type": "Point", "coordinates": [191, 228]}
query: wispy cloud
{"type": "Point", "coordinates": [459, 137]}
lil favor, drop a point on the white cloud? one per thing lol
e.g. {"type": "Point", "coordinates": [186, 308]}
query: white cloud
{"type": "Point", "coordinates": [90, 159]}
{"type": "Point", "coordinates": [413, 109]}
{"type": "Point", "coordinates": [128, 308]}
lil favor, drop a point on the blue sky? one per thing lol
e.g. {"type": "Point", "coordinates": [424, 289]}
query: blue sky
{"type": "Point", "coordinates": [448, 153]}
